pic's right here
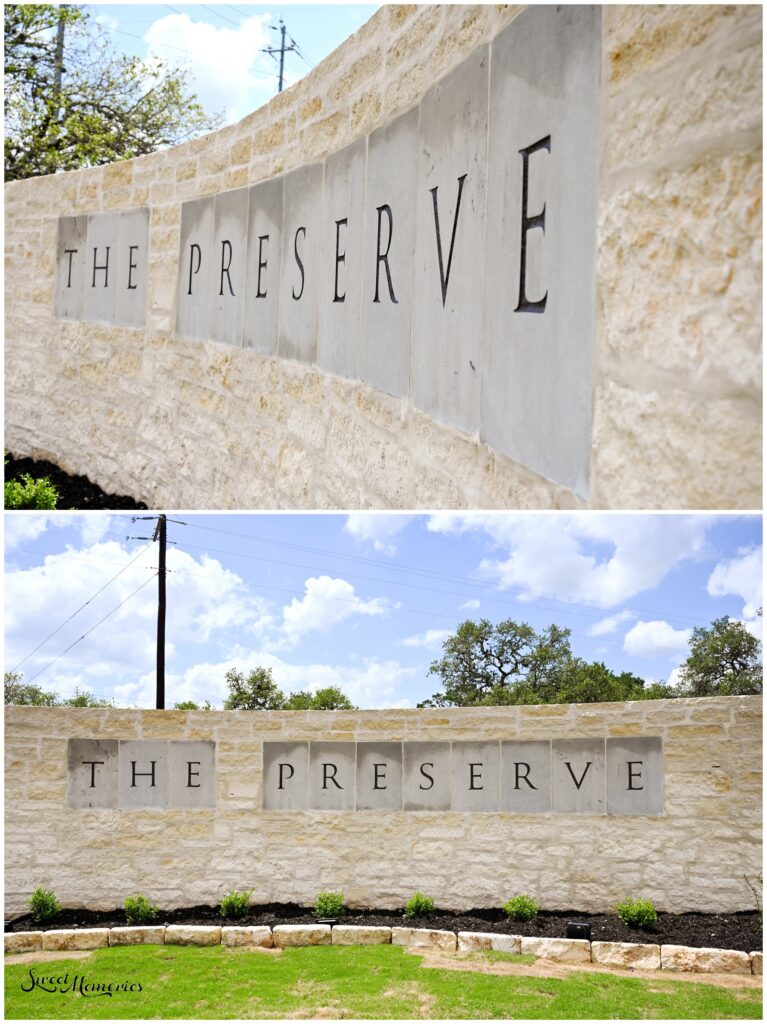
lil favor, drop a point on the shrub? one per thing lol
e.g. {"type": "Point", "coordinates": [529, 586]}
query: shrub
{"type": "Point", "coordinates": [139, 910]}
{"type": "Point", "coordinates": [43, 904]}
{"type": "Point", "coordinates": [28, 493]}
{"type": "Point", "coordinates": [637, 913]}
{"type": "Point", "coordinates": [521, 908]}
{"type": "Point", "coordinates": [329, 904]}
{"type": "Point", "coordinates": [419, 905]}
{"type": "Point", "coordinates": [235, 904]}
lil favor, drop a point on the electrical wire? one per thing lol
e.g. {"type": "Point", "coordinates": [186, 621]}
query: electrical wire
{"type": "Point", "coordinates": [84, 605]}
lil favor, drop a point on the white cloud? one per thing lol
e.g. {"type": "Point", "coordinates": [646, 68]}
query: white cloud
{"type": "Point", "coordinates": [742, 576]}
{"type": "Point", "coordinates": [656, 639]}
{"type": "Point", "coordinates": [610, 624]}
{"type": "Point", "coordinates": [326, 602]}
{"type": "Point", "coordinates": [23, 527]}
{"type": "Point", "coordinates": [431, 638]}
{"type": "Point", "coordinates": [376, 528]}
{"type": "Point", "coordinates": [470, 604]}
{"type": "Point", "coordinates": [229, 71]}
{"type": "Point", "coordinates": [597, 558]}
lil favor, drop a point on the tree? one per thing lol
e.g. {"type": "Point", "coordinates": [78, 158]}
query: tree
{"type": "Point", "coordinates": [508, 663]}
{"type": "Point", "coordinates": [329, 698]}
{"type": "Point", "coordinates": [85, 699]}
{"type": "Point", "coordinates": [17, 692]}
{"type": "Point", "coordinates": [255, 692]}
{"type": "Point", "coordinates": [723, 661]}
{"type": "Point", "coordinates": [590, 683]}
{"type": "Point", "coordinates": [191, 705]}
{"type": "Point", "coordinates": [70, 102]}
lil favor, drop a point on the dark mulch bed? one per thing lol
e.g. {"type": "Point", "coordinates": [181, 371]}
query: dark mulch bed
{"type": "Point", "coordinates": [721, 931]}
{"type": "Point", "coordinates": [75, 492]}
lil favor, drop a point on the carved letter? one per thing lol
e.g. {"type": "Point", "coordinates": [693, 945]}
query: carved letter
{"type": "Point", "coordinates": [300, 264]}
{"type": "Point", "coordinates": [261, 265]}
{"type": "Point", "coordinates": [104, 267]}
{"type": "Point", "coordinates": [340, 258]}
{"type": "Point", "coordinates": [444, 277]}
{"type": "Point", "coordinates": [475, 776]}
{"type": "Point", "coordinates": [379, 776]}
{"type": "Point", "coordinates": [136, 774]}
{"type": "Point", "coordinates": [93, 771]}
{"type": "Point", "coordinates": [292, 773]}
{"type": "Point", "coordinates": [634, 775]}
{"type": "Point", "coordinates": [131, 266]}
{"type": "Point", "coordinates": [528, 223]}
{"type": "Point", "coordinates": [70, 252]}
{"type": "Point", "coordinates": [578, 782]}
{"type": "Point", "coordinates": [330, 777]}
{"type": "Point", "coordinates": [383, 257]}
{"type": "Point", "coordinates": [427, 764]}
{"type": "Point", "coordinates": [225, 269]}
{"type": "Point", "coordinates": [190, 773]}
{"type": "Point", "coordinates": [522, 776]}
{"type": "Point", "coordinates": [194, 270]}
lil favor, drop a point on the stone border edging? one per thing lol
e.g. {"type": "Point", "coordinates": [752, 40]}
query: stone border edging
{"type": "Point", "coordinates": [644, 956]}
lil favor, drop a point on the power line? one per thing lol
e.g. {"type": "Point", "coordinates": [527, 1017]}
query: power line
{"type": "Point", "coordinates": [217, 14]}
{"type": "Point", "coordinates": [84, 605]}
{"type": "Point", "coordinates": [179, 49]}
{"type": "Point", "coordinates": [74, 644]}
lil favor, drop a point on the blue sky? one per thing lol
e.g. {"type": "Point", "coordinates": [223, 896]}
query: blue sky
{"type": "Point", "coordinates": [221, 44]}
{"type": "Point", "coordinates": [362, 600]}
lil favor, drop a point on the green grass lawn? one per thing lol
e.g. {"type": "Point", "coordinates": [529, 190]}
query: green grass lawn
{"type": "Point", "coordinates": [346, 981]}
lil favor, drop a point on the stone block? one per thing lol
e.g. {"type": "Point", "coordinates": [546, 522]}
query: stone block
{"type": "Point", "coordinates": [756, 963]}
{"type": "Point", "coordinates": [300, 263]}
{"type": "Point", "coordinates": [23, 942]}
{"type": "Point", "coordinates": [196, 268]}
{"type": "Point", "coordinates": [644, 956]}
{"type": "Point", "coordinates": [76, 938]}
{"type": "Point", "coordinates": [424, 937]}
{"type": "Point", "coordinates": [475, 776]}
{"type": "Point", "coordinates": [132, 268]}
{"type": "Point", "coordinates": [192, 772]}
{"type": "Point", "coordinates": [259, 330]}
{"type": "Point", "coordinates": [578, 776]}
{"type": "Point", "coordinates": [301, 935]}
{"type": "Point", "coordinates": [568, 951]}
{"type": "Point", "coordinates": [426, 776]}
{"type": "Point", "coordinates": [332, 776]}
{"type": "Point", "coordinates": [229, 256]}
{"type": "Point", "coordinates": [526, 776]}
{"type": "Point", "coordinates": [707, 961]}
{"type": "Point", "coordinates": [143, 774]}
{"type": "Point", "coordinates": [471, 942]}
{"type": "Point", "coordinates": [635, 775]}
{"type": "Point", "coordinates": [256, 935]}
{"type": "Point", "coordinates": [70, 268]}
{"type": "Point", "coordinates": [92, 773]}
{"type": "Point", "coordinates": [101, 267]}
{"type": "Point", "coordinates": [379, 776]}
{"type": "Point", "coordinates": [137, 935]}
{"type": "Point", "coordinates": [360, 935]}
{"type": "Point", "coordinates": [192, 935]}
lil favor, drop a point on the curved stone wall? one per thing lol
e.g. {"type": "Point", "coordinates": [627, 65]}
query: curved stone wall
{"type": "Point", "coordinates": [606, 162]}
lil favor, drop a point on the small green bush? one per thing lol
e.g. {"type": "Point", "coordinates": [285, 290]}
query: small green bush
{"type": "Point", "coordinates": [521, 908]}
{"type": "Point", "coordinates": [235, 904]}
{"type": "Point", "coordinates": [637, 913]}
{"type": "Point", "coordinates": [139, 910]}
{"type": "Point", "coordinates": [44, 905]}
{"type": "Point", "coordinates": [28, 493]}
{"type": "Point", "coordinates": [419, 905]}
{"type": "Point", "coordinates": [329, 904]}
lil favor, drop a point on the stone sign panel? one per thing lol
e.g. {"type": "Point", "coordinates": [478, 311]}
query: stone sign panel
{"type": "Point", "coordinates": [448, 258]}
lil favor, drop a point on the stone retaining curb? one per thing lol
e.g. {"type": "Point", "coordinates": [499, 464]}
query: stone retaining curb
{"type": "Point", "coordinates": [644, 956]}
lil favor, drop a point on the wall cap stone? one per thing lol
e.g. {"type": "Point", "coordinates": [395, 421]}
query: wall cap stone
{"type": "Point", "coordinates": [301, 935]}
{"type": "Point", "coordinates": [471, 942]}
{"type": "Point", "coordinates": [645, 956]}
{"type": "Point", "coordinates": [193, 935]}
{"type": "Point", "coordinates": [76, 938]}
{"type": "Point", "coordinates": [704, 960]}
{"type": "Point", "coordinates": [244, 935]}
{"type": "Point", "coordinates": [560, 950]}
{"type": "Point", "coordinates": [134, 935]}
{"type": "Point", "coordinates": [360, 935]}
{"type": "Point", "coordinates": [424, 937]}
{"type": "Point", "coordinates": [23, 942]}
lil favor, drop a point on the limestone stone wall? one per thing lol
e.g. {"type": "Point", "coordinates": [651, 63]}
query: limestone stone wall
{"type": "Point", "coordinates": [677, 361]}
{"type": "Point", "coordinates": [691, 857]}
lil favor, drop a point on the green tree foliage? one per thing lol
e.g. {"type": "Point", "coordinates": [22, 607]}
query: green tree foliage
{"type": "Point", "coordinates": [724, 660]}
{"type": "Point", "coordinates": [79, 104]}
{"type": "Point", "coordinates": [85, 699]}
{"type": "Point", "coordinates": [510, 663]}
{"type": "Point", "coordinates": [18, 692]}
{"type": "Point", "coordinates": [191, 705]}
{"type": "Point", "coordinates": [258, 692]}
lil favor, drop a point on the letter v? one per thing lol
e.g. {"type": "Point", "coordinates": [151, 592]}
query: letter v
{"type": "Point", "coordinates": [444, 278]}
{"type": "Point", "coordinates": [578, 782]}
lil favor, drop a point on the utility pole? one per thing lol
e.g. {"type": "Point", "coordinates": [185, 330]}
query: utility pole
{"type": "Point", "coordinates": [283, 49]}
{"type": "Point", "coordinates": [161, 531]}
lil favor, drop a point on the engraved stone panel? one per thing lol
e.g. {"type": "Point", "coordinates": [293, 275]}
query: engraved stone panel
{"type": "Point", "coordinates": [578, 776]}
{"type": "Point", "coordinates": [101, 267]}
{"type": "Point", "coordinates": [230, 239]}
{"type": "Point", "coordinates": [132, 268]}
{"type": "Point", "coordinates": [196, 268]}
{"type": "Point", "coordinates": [541, 225]}
{"type": "Point", "coordinates": [262, 283]}
{"type": "Point", "coordinates": [70, 268]}
{"type": "Point", "coordinates": [448, 272]}
{"type": "Point", "coordinates": [143, 774]}
{"type": "Point", "coordinates": [379, 776]}
{"type": "Point", "coordinates": [387, 288]}
{"type": "Point", "coordinates": [426, 776]}
{"type": "Point", "coordinates": [286, 776]}
{"type": "Point", "coordinates": [192, 773]}
{"type": "Point", "coordinates": [526, 776]}
{"type": "Point", "coordinates": [338, 343]}
{"type": "Point", "coordinates": [475, 776]}
{"type": "Point", "coordinates": [635, 775]}
{"type": "Point", "coordinates": [332, 776]}
{"type": "Point", "coordinates": [92, 773]}
{"type": "Point", "coordinates": [301, 248]}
